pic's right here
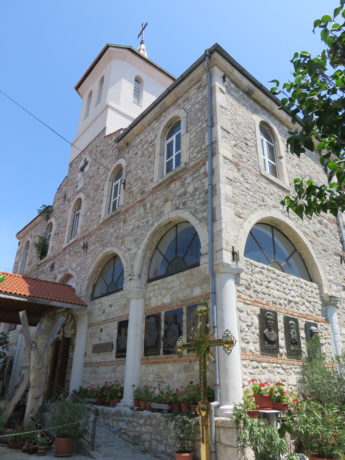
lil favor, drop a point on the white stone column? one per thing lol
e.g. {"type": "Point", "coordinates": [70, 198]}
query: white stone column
{"type": "Point", "coordinates": [134, 344]}
{"type": "Point", "coordinates": [81, 318]}
{"type": "Point", "coordinates": [230, 373]}
{"type": "Point", "coordinates": [331, 305]}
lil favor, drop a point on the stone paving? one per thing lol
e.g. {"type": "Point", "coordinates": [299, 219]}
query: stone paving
{"type": "Point", "coordinates": [116, 450]}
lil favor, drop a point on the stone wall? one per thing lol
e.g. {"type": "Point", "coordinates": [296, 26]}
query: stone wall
{"type": "Point", "coordinates": [153, 433]}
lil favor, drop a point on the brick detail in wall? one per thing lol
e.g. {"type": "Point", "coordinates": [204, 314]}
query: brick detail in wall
{"type": "Point", "coordinates": [146, 360]}
{"type": "Point", "coordinates": [263, 303]}
{"type": "Point", "coordinates": [270, 359]}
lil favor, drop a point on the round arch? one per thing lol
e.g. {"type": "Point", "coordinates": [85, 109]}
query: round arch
{"type": "Point", "coordinates": [99, 264]}
{"type": "Point", "coordinates": [142, 261]}
{"type": "Point", "coordinates": [296, 237]}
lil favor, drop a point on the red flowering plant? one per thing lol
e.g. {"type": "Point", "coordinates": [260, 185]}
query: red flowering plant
{"type": "Point", "coordinates": [278, 393]}
{"type": "Point", "coordinates": [192, 393]}
{"type": "Point", "coordinates": [257, 387]}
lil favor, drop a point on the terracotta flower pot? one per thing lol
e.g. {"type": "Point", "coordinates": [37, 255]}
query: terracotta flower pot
{"type": "Point", "coordinates": [142, 405]}
{"type": "Point", "coordinates": [114, 402]}
{"type": "Point", "coordinates": [184, 407]}
{"type": "Point", "coordinates": [148, 405]}
{"type": "Point", "coordinates": [136, 403]}
{"type": "Point", "coordinates": [174, 407]}
{"type": "Point", "coordinates": [280, 406]}
{"type": "Point", "coordinates": [64, 447]}
{"type": "Point", "coordinates": [253, 413]}
{"type": "Point", "coordinates": [184, 456]}
{"type": "Point", "coordinates": [263, 401]}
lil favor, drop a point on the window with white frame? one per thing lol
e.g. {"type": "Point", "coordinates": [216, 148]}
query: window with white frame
{"type": "Point", "coordinates": [88, 104]}
{"type": "Point", "coordinates": [172, 148]}
{"type": "Point", "coordinates": [115, 192]}
{"type": "Point", "coordinates": [137, 90]}
{"type": "Point", "coordinates": [268, 151]}
{"type": "Point", "coordinates": [100, 90]}
{"type": "Point", "coordinates": [76, 219]}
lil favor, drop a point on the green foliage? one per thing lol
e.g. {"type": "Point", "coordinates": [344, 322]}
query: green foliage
{"type": "Point", "coordinates": [316, 97]}
{"type": "Point", "coordinates": [184, 427]}
{"type": "Point", "coordinates": [2, 277]}
{"type": "Point", "coordinates": [323, 382]}
{"type": "Point", "coordinates": [68, 417]}
{"type": "Point", "coordinates": [22, 433]}
{"type": "Point", "coordinates": [42, 246]}
{"type": "Point", "coordinates": [320, 428]}
{"type": "Point", "coordinates": [45, 211]}
{"type": "Point", "coordinates": [264, 439]}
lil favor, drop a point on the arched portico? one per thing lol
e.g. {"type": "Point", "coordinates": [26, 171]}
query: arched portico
{"type": "Point", "coordinates": [137, 293]}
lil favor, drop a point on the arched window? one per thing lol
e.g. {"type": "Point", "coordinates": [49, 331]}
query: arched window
{"type": "Point", "coordinates": [115, 192]}
{"type": "Point", "coordinates": [172, 148]}
{"type": "Point", "coordinates": [76, 219]}
{"type": "Point", "coordinates": [137, 90]}
{"type": "Point", "coordinates": [24, 258]}
{"type": "Point", "coordinates": [110, 279]}
{"type": "Point", "coordinates": [268, 245]}
{"type": "Point", "coordinates": [268, 151]}
{"type": "Point", "coordinates": [177, 251]}
{"type": "Point", "coordinates": [88, 104]}
{"type": "Point", "coordinates": [100, 90]}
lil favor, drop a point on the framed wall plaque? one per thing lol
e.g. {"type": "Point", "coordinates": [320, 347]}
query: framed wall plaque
{"type": "Point", "coordinates": [172, 330]}
{"type": "Point", "coordinates": [121, 341]}
{"type": "Point", "coordinates": [269, 337]}
{"type": "Point", "coordinates": [152, 341]}
{"type": "Point", "coordinates": [292, 337]}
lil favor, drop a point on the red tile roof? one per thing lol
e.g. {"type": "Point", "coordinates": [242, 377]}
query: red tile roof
{"type": "Point", "coordinates": [25, 286]}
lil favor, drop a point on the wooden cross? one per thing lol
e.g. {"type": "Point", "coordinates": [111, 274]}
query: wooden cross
{"type": "Point", "coordinates": [200, 344]}
{"type": "Point", "coordinates": [141, 33]}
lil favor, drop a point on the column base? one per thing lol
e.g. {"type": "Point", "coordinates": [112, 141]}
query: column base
{"type": "Point", "coordinates": [224, 411]}
{"type": "Point", "coordinates": [126, 403]}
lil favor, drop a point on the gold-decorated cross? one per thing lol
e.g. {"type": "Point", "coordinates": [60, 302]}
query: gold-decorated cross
{"type": "Point", "coordinates": [202, 340]}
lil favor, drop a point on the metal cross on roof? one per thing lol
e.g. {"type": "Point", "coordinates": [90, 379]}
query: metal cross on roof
{"type": "Point", "coordinates": [141, 33]}
{"type": "Point", "coordinates": [200, 344]}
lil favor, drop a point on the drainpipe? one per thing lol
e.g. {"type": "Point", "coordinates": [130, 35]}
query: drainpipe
{"type": "Point", "coordinates": [213, 293]}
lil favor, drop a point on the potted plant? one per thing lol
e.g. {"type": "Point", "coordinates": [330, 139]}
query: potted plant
{"type": "Point", "coordinates": [264, 439]}
{"type": "Point", "coordinates": [279, 396]}
{"type": "Point", "coordinates": [319, 428]}
{"type": "Point", "coordinates": [42, 445]}
{"type": "Point", "coordinates": [260, 391]}
{"type": "Point", "coordinates": [137, 395]}
{"type": "Point", "coordinates": [184, 427]}
{"type": "Point", "coordinates": [68, 418]}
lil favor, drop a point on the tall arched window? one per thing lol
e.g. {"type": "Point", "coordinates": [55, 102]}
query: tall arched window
{"type": "Point", "coordinates": [110, 279]}
{"type": "Point", "coordinates": [172, 148]}
{"type": "Point", "coordinates": [177, 251]}
{"type": "Point", "coordinates": [269, 246]}
{"type": "Point", "coordinates": [88, 104]}
{"type": "Point", "coordinates": [268, 151]}
{"type": "Point", "coordinates": [100, 90]}
{"type": "Point", "coordinates": [115, 192]}
{"type": "Point", "coordinates": [76, 219]}
{"type": "Point", "coordinates": [24, 258]}
{"type": "Point", "coordinates": [137, 90]}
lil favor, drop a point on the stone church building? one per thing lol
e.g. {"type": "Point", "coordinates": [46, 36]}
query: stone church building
{"type": "Point", "coordinates": [172, 198]}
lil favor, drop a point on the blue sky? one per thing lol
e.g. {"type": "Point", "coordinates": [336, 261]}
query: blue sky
{"type": "Point", "coordinates": [46, 45]}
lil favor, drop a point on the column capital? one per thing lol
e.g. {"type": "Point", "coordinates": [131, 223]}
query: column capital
{"type": "Point", "coordinates": [226, 267]}
{"type": "Point", "coordinates": [136, 293]}
{"type": "Point", "coordinates": [79, 313]}
{"type": "Point", "coordinates": [330, 300]}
